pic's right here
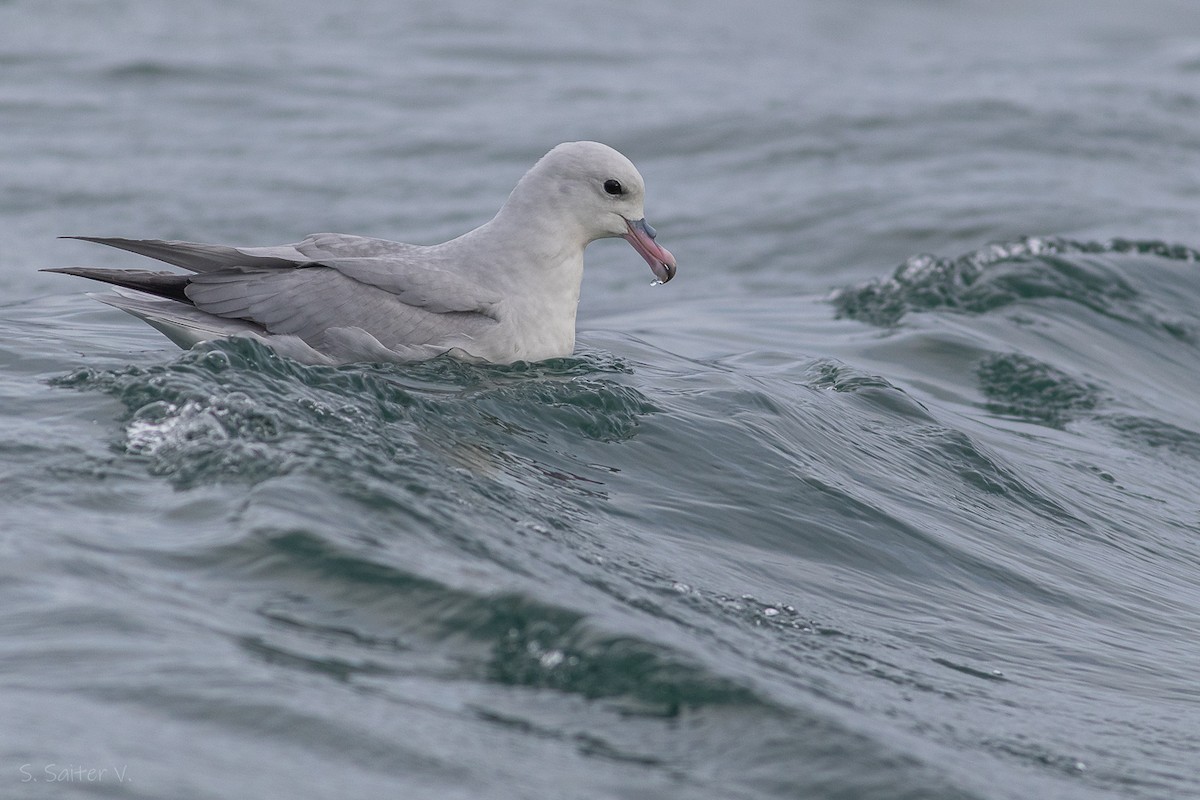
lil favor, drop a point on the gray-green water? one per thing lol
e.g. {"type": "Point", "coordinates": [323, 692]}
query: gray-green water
{"type": "Point", "coordinates": [825, 517]}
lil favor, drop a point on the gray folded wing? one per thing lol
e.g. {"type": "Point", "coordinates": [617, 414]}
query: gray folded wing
{"type": "Point", "coordinates": [308, 301]}
{"type": "Point", "coordinates": [397, 293]}
{"type": "Point", "coordinates": [196, 256]}
{"type": "Point", "coordinates": [200, 257]}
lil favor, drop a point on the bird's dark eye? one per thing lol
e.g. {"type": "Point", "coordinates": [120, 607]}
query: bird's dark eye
{"type": "Point", "coordinates": [613, 187]}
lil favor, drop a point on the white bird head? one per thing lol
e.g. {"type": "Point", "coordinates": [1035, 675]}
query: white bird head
{"type": "Point", "coordinates": [597, 190]}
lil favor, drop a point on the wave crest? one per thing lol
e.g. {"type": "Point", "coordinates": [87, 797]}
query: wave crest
{"type": "Point", "coordinates": [1001, 274]}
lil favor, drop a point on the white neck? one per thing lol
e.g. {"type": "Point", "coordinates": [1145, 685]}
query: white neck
{"type": "Point", "coordinates": [538, 313]}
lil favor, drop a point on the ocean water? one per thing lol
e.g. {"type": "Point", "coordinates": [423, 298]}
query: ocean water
{"type": "Point", "coordinates": [892, 493]}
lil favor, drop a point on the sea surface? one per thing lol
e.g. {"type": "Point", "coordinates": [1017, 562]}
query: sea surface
{"type": "Point", "coordinates": [894, 492]}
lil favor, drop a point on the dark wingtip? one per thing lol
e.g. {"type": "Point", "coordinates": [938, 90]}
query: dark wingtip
{"type": "Point", "coordinates": [170, 285]}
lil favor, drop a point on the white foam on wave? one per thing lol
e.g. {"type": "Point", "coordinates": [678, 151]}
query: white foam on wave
{"type": "Point", "coordinates": [167, 425]}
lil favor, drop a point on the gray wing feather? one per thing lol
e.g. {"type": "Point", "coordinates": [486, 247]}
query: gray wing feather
{"type": "Point", "coordinates": [341, 245]}
{"type": "Point", "coordinates": [199, 257]}
{"type": "Point", "coordinates": [181, 323]}
{"type": "Point", "coordinates": [437, 290]}
{"type": "Point", "coordinates": [391, 266]}
{"type": "Point", "coordinates": [311, 301]}
{"type": "Point", "coordinates": [338, 294]}
{"type": "Point", "coordinates": [319, 246]}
